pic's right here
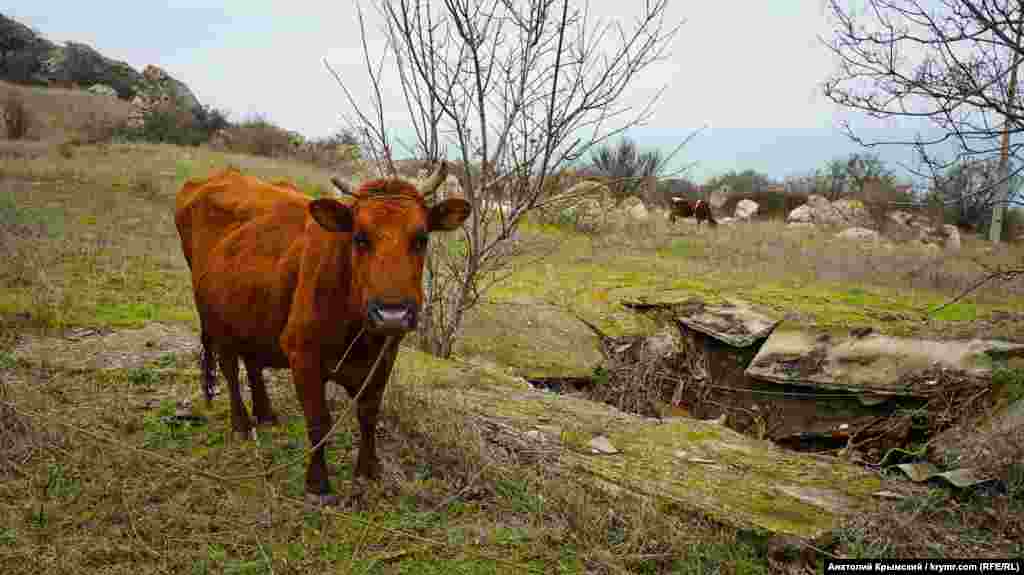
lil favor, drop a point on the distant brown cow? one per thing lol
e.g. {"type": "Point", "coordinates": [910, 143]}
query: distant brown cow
{"type": "Point", "coordinates": [681, 208]}
{"type": "Point", "coordinates": [281, 280]}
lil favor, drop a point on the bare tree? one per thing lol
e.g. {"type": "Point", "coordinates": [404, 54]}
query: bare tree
{"type": "Point", "coordinates": [517, 91]}
{"type": "Point", "coordinates": [950, 62]}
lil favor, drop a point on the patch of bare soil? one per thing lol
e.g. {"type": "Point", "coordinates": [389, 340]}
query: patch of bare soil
{"type": "Point", "coordinates": [20, 440]}
{"type": "Point", "coordinates": [87, 348]}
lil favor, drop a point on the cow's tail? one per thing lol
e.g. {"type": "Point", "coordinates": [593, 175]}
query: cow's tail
{"type": "Point", "coordinates": [208, 366]}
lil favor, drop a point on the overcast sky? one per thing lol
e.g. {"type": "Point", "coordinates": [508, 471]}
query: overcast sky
{"type": "Point", "coordinates": [752, 71]}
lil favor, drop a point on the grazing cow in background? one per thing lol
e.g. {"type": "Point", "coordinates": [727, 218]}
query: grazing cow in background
{"type": "Point", "coordinates": [681, 208]}
{"type": "Point", "coordinates": [281, 280]}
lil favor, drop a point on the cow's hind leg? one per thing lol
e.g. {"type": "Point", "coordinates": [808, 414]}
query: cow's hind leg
{"type": "Point", "coordinates": [261, 407]}
{"type": "Point", "coordinates": [239, 415]}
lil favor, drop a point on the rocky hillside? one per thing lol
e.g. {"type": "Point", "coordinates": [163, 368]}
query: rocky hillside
{"type": "Point", "coordinates": [28, 58]}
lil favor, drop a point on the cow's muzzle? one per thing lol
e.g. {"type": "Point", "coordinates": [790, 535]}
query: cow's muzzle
{"type": "Point", "coordinates": [389, 317]}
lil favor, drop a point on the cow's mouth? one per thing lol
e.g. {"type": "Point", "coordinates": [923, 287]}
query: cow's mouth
{"type": "Point", "coordinates": [391, 317]}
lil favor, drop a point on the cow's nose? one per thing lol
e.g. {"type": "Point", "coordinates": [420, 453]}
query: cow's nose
{"type": "Point", "coordinates": [391, 316]}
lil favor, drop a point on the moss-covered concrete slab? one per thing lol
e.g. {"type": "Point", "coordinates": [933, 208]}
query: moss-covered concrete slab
{"type": "Point", "coordinates": [702, 466]}
{"type": "Point", "coordinates": [870, 363]}
{"type": "Point", "coordinates": [733, 322]}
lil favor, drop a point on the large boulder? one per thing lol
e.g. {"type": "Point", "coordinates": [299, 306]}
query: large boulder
{"type": "Point", "coordinates": [589, 215]}
{"type": "Point", "coordinates": [157, 81]}
{"type": "Point", "coordinates": [22, 53]}
{"type": "Point", "coordinates": [951, 235]}
{"type": "Point", "coordinates": [920, 230]}
{"type": "Point", "coordinates": [718, 197]}
{"type": "Point", "coordinates": [631, 201]}
{"type": "Point", "coordinates": [638, 212]}
{"type": "Point", "coordinates": [819, 210]}
{"type": "Point", "coordinates": [801, 215]}
{"type": "Point", "coordinates": [746, 209]}
{"type": "Point", "coordinates": [859, 234]}
{"type": "Point", "coordinates": [589, 188]}
{"type": "Point", "coordinates": [851, 213]}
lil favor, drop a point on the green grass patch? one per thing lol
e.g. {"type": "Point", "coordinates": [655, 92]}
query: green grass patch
{"type": "Point", "coordinates": [59, 485]}
{"type": "Point", "coordinates": [1010, 382]}
{"type": "Point", "coordinates": [161, 430]}
{"type": "Point", "coordinates": [47, 221]}
{"type": "Point", "coordinates": [958, 312]}
{"type": "Point", "coordinates": [703, 558]}
{"type": "Point", "coordinates": [142, 378]}
{"type": "Point", "coordinates": [183, 170]}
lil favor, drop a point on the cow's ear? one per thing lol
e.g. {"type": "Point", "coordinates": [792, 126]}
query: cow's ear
{"type": "Point", "coordinates": [448, 214]}
{"type": "Point", "coordinates": [332, 215]}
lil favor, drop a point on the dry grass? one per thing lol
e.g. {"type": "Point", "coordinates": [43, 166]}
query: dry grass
{"type": "Point", "coordinates": [809, 276]}
{"type": "Point", "coordinates": [90, 241]}
{"type": "Point", "coordinates": [58, 114]}
{"type": "Point", "coordinates": [456, 495]}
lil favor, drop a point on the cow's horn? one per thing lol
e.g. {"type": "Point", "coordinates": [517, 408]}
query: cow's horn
{"type": "Point", "coordinates": [343, 187]}
{"type": "Point", "coordinates": [430, 186]}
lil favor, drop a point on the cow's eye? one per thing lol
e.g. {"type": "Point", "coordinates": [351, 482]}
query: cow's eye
{"type": "Point", "coordinates": [361, 240]}
{"type": "Point", "coordinates": [419, 241]}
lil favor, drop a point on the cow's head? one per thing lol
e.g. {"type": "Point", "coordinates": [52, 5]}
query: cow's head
{"type": "Point", "coordinates": [389, 223]}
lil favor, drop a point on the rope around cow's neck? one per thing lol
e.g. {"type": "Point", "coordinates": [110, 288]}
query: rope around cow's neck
{"type": "Point", "coordinates": [355, 400]}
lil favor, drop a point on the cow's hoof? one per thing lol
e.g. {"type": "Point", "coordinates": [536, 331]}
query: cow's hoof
{"type": "Point", "coordinates": [322, 499]}
{"type": "Point", "coordinates": [269, 421]}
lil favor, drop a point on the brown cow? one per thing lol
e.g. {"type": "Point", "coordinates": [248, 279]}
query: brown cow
{"type": "Point", "coordinates": [681, 208]}
{"type": "Point", "coordinates": [281, 280]}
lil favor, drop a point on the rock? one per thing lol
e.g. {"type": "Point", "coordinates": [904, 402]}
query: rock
{"type": "Point", "coordinates": [103, 90]}
{"type": "Point", "coordinates": [589, 188]}
{"type": "Point", "coordinates": [801, 215]}
{"type": "Point", "coordinates": [745, 209]}
{"type": "Point", "coordinates": [718, 197]}
{"type": "Point", "coordinates": [221, 139]}
{"type": "Point", "coordinates": [589, 215]}
{"type": "Point", "coordinates": [859, 234]}
{"type": "Point", "coordinates": [900, 217]}
{"type": "Point", "coordinates": [28, 58]}
{"type": "Point", "coordinates": [819, 210]}
{"type": "Point", "coordinates": [160, 83]}
{"type": "Point", "coordinates": [952, 237]}
{"type": "Point", "coordinates": [851, 212]}
{"type": "Point", "coordinates": [601, 445]}
{"type": "Point", "coordinates": [638, 212]}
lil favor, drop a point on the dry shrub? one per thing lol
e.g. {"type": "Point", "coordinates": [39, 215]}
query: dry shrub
{"type": "Point", "coordinates": [259, 138]}
{"type": "Point", "coordinates": [17, 118]}
{"type": "Point", "coordinates": [59, 114]}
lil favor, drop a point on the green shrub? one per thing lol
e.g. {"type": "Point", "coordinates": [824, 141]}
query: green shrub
{"type": "Point", "coordinates": [170, 124]}
{"type": "Point", "coordinates": [258, 137]}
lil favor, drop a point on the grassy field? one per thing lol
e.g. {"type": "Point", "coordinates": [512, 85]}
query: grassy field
{"type": "Point", "coordinates": [89, 242]}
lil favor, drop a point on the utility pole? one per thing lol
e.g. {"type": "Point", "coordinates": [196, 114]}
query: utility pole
{"type": "Point", "coordinates": [1003, 194]}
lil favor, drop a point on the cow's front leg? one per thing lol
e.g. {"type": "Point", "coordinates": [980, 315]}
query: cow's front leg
{"type": "Point", "coordinates": [309, 387]}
